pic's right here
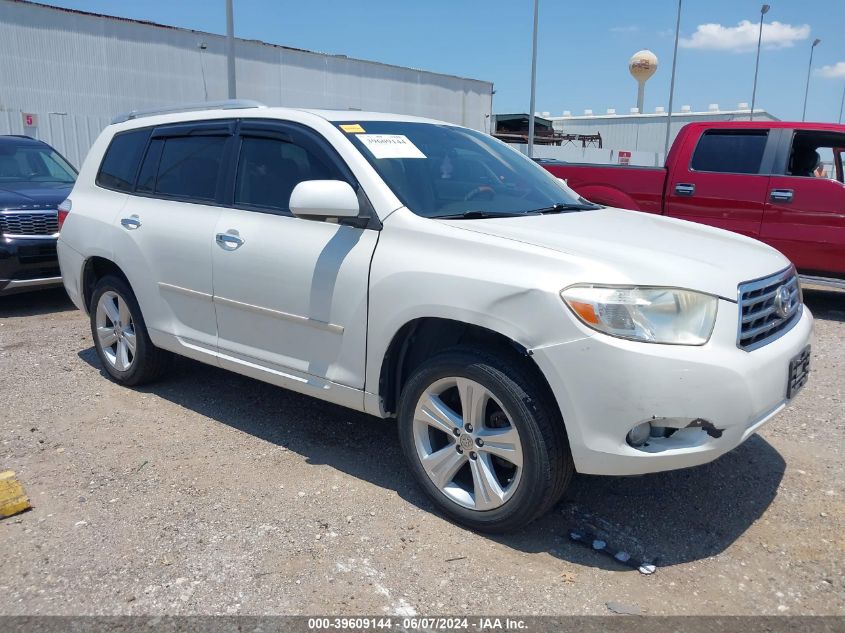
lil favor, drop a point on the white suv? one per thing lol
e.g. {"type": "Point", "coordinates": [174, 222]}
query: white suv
{"type": "Point", "coordinates": [415, 269]}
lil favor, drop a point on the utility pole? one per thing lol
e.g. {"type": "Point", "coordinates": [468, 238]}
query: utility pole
{"type": "Point", "coordinates": [230, 48]}
{"type": "Point", "coordinates": [842, 105]}
{"type": "Point", "coordinates": [763, 11]}
{"type": "Point", "coordinates": [816, 42]}
{"type": "Point", "coordinates": [672, 83]}
{"type": "Point", "coordinates": [533, 82]}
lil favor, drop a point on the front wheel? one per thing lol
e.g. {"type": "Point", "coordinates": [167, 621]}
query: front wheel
{"type": "Point", "coordinates": [120, 335]}
{"type": "Point", "coordinates": [485, 443]}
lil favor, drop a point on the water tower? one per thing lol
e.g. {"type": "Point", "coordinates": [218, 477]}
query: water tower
{"type": "Point", "coordinates": [642, 65]}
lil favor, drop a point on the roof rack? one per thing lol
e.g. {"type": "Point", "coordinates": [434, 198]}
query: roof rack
{"type": "Point", "coordinates": [228, 104]}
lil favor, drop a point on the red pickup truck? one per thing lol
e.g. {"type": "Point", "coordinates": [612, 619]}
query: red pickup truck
{"type": "Point", "coordinates": [763, 179]}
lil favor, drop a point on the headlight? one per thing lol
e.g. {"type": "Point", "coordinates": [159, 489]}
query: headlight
{"type": "Point", "coordinates": [653, 315]}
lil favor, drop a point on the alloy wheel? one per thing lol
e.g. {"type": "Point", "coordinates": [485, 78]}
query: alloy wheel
{"type": "Point", "coordinates": [115, 330]}
{"type": "Point", "coordinates": [467, 444]}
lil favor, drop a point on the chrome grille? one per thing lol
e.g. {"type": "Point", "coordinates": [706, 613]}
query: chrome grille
{"type": "Point", "coordinates": [768, 308]}
{"type": "Point", "coordinates": [29, 223]}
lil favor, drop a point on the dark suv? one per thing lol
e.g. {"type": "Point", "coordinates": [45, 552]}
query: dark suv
{"type": "Point", "coordinates": [34, 179]}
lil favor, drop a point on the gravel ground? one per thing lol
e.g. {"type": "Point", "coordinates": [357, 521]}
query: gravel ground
{"type": "Point", "coordinates": [212, 493]}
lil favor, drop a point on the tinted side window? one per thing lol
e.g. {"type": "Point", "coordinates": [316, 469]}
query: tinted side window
{"type": "Point", "coordinates": [269, 169]}
{"type": "Point", "coordinates": [189, 167]}
{"type": "Point", "coordinates": [733, 152]}
{"type": "Point", "coordinates": [120, 164]}
{"type": "Point", "coordinates": [149, 168]}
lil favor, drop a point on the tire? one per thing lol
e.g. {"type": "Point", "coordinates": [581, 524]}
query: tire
{"type": "Point", "coordinates": [530, 480]}
{"type": "Point", "coordinates": [111, 303]}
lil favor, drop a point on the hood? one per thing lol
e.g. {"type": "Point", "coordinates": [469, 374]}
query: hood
{"type": "Point", "coordinates": [33, 195]}
{"type": "Point", "coordinates": [632, 247]}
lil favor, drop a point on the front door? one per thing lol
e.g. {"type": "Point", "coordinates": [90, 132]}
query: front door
{"type": "Point", "coordinates": [805, 212]}
{"type": "Point", "coordinates": [290, 294]}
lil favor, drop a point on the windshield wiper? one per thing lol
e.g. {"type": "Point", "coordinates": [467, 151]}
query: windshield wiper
{"type": "Point", "coordinates": [561, 207]}
{"type": "Point", "coordinates": [479, 215]}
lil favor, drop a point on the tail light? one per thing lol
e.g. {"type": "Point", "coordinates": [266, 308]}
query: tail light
{"type": "Point", "coordinates": [64, 209]}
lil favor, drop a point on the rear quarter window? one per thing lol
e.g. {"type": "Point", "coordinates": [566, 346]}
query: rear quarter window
{"type": "Point", "coordinates": [121, 161]}
{"type": "Point", "coordinates": [730, 151]}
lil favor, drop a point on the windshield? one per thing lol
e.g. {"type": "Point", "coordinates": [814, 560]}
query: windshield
{"type": "Point", "coordinates": [446, 171]}
{"type": "Point", "coordinates": [33, 163]}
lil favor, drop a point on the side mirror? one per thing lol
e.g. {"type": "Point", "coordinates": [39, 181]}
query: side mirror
{"type": "Point", "coordinates": [322, 199]}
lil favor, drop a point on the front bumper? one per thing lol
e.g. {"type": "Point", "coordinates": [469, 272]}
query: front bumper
{"type": "Point", "coordinates": [605, 386]}
{"type": "Point", "coordinates": [28, 264]}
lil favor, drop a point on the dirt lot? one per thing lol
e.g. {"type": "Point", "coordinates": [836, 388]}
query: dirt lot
{"type": "Point", "coordinates": [214, 493]}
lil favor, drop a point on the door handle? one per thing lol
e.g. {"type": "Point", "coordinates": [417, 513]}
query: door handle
{"type": "Point", "coordinates": [228, 242]}
{"type": "Point", "coordinates": [781, 195]}
{"type": "Point", "coordinates": [131, 223]}
{"type": "Point", "coordinates": [684, 189]}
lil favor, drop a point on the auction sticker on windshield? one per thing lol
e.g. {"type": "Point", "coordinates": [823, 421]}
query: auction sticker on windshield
{"type": "Point", "coordinates": [390, 146]}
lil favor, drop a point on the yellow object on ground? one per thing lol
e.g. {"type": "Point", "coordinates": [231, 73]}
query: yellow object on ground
{"type": "Point", "coordinates": [12, 497]}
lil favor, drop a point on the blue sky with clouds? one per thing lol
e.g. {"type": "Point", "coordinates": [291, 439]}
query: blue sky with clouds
{"type": "Point", "coordinates": [583, 46]}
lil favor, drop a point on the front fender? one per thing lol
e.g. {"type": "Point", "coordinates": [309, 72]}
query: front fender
{"type": "Point", "coordinates": [423, 268]}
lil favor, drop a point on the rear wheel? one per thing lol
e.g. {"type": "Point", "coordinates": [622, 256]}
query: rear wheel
{"type": "Point", "coordinates": [484, 442]}
{"type": "Point", "coordinates": [120, 335]}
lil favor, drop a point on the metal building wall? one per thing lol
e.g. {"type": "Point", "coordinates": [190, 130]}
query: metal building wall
{"type": "Point", "coordinates": [71, 135]}
{"type": "Point", "coordinates": [76, 71]}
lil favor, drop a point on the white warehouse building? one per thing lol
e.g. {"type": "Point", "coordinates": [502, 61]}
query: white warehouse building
{"type": "Point", "coordinates": [642, 134]}
{"type": "Point", "coordinates": [65, 74]}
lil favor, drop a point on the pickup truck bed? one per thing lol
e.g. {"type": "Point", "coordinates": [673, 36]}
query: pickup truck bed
{"type": "Point", "coordinates": [639, 188]}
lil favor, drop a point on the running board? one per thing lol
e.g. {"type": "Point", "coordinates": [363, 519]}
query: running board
{"type": "Point", "coordinates": [830, 282]}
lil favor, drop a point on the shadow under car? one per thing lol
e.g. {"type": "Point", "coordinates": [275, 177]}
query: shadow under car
{"type": "Point", "coordinates": [667, 518]}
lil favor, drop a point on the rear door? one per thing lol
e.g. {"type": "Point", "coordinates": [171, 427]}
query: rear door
{"type": "Point", "coordinates": [725, 181]}
{"type": "Point", "coordinates": [166, 230]}
{"type": "Point", "coordinates": [805, 210]}
{"type": "Point", "coordinates": [290, 294]}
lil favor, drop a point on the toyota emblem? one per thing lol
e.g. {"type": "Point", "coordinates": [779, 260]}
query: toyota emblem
{"type": "Point", "coordinates": [783, 301]}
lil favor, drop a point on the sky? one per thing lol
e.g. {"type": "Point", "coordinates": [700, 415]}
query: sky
{"type": "Point", "coordinates": [583, 46]}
